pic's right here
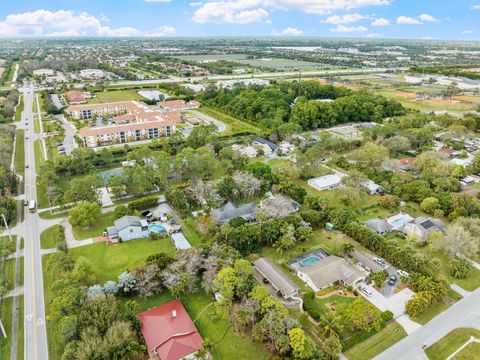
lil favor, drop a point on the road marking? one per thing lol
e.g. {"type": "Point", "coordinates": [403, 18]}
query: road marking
{"type": "Point", "coordinates": [40, 322]}
{"type": "Point", "coordinates": [29, 317]}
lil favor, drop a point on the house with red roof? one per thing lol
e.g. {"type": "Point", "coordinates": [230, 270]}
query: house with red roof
{"type": "Point", "coordinates": [169, 332]}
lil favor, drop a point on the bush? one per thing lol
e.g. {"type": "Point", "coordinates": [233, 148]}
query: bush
{"type": "Point", "coordinates": [120, 211]}
{"type": "Point", "coordinates": [379, 277]}
{"type": "Point", "coordinates": [363, 335]}
{"type": "Point", "coordinates": [326, 290]}
{"type": "Point", "coordinates": [313, 308]}
{"type": "Point", "coordinates": [143, 204]}
{"type": "Point", "coordinates": [460, 268]}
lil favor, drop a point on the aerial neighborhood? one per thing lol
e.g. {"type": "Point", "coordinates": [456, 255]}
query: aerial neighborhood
{"type": "Point", "coordinates": [286, 197]}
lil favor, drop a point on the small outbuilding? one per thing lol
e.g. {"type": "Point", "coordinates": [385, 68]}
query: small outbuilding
{"type": "Point", "coordinates": [276, 278]}
{"type": "Point", "coordinates": [326, 182]}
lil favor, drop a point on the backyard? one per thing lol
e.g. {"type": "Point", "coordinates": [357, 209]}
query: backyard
{"type": "Point", "coordinates": [80, 233]}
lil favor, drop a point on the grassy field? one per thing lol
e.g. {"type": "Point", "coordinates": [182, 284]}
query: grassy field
{"type": "Point", "coordinates": [20, 328]}
{"type": "Point", "coordinates": [47, 215]}
{"type": "Point", "coordinates": [105, 220]}
{"type": "Point", "coordinates": [115, 95]}
{"type": "Point", "coordinates": [19, 109]}
{"type": "Point", "coordinates": [447, 345]}
{"type": "Point", "coordinates": [191, 233]}
{"type": "Point", "coordinates": [6, 306]}
{"type": "Point", "coordinates": [19, 161]}
{"type": "Point", "coordinates": [233, 124]}
{"type": "Point", "coordinates": [470, 352]}
{"type": "Point", "coordinates": [379, 342]}
{"type": "Point", "coordinates": [50, 237]}
{"type": "Point", "coordinates": [106, 262]}
{"type": "Point", "coordinates": [39, 156]}
{"type": "Point", "coordinates": [433, 311]}
{"type": "Point", "coordinates": [36, 125]}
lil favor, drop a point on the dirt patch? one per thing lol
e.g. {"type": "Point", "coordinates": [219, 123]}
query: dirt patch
{"type": "Point", "coordinates": [340, 292]}
{"type": "Point", "coordinates": [405, 95]}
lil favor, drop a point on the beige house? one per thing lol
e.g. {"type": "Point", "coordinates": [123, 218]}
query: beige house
{"type": "Point", "coordinates": [328, 271]}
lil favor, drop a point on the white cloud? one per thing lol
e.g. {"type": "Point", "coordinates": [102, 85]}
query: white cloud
{"type": "Point", "coordinates": [291, 31]}
{"type": "Point", "coordinates": [62, 23]}
{"type": "Point", "coordinates": [157, 1]}
{"type": "Point", "coordinates": [161, 31]}
{"type": "Point", "coordinates": [408, 20]}
{"type": "Point", "coordinates": [427, 18]}
{"type": "Point", "coordinates": [236, 11]}
{"type": "Point", "coordinates": [372, 35]}
{"type": "Point", "coordinates": [466, 32]}
{"type": "Point", "coordinates": [343, 19]}
{"type": "Point", "coordinates": [381, 22]}
{"type": "Point", "coordinates": [475, 7]}
{"type": "Point", "coordinates": [347, 29]}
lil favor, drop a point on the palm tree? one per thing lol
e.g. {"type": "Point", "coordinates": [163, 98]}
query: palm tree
{"type": "Point", "coordinates": [348, 248]}
{"type": "Point", "coordinates": [331, 324]}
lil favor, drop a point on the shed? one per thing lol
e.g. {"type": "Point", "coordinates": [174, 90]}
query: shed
{"type": "Point", "coordinates": [180, 242]}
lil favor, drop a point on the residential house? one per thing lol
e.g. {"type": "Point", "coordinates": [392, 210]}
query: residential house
{"type": "Point", "coordinates": [328, 271]}
{"type": "Point", "coordinates": [77, 97]}
{"type": "Point", "coordinates": [379, 226]}
{"type": "Point", "coordinates": [268, 146]}
{"type": "Point", "coordinates": [373, 188]}
{"type": "Point", "coordinates": [276, 277]}
{"type": "Point", "coordinates": [230, 211]}
{"type": "Point", "coordinates": [422, 226]}
{"type": "Point", "coordinates": [326, 182]}
{"type": "Point", "coordinates": [406, 164]}
{"type": "Point", "coordinates": [128, 228]}
{"type": "Point", "coordinates": [169, 332]}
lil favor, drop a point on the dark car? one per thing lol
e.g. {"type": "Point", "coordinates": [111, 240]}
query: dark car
{"type": "Point", "coordinates": [392, 280]}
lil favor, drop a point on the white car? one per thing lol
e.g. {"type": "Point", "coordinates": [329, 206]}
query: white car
{"type": "Point", "coordinates": [403, 273]}
{"type": "Point", "coordinates": [366, 291]}
{"type": "Point", "coordinates": [380, 261]}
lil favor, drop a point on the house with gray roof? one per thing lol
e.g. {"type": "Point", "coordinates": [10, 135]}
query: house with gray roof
{"type": "Point", "coordinates": [276, 278]}
{"type": "Point", "coordinates": [230, 211]}
{"type": "Point", "coordinates": [329, 271]}
{"type": "Point", "coordinates": [379, 226]}
{"type": "Point", "coordinates": [422, 226]}
{"type": "Point", "coordinates": [128, 228]}
{"type": "Point", "coordinates": [265, 143]}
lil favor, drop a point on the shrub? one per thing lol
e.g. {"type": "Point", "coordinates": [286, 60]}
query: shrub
{"type": "Point", "coordinates": [379, 277]}
{"type": "Point", "coordinates": [326, 290]}
{"type": "Point", "coordinates": [142, 204]}
{"type": "Point", "coordinates": [363, 335]}
{"type": "Point", "coordinates": [120, 211]}
{"type": "Point", "coordinates": [313, 308]}
{"type": "Point", "coordinates": [460, 268]}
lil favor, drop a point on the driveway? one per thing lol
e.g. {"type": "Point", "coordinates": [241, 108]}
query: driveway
{"type": "Point", "coordinates": [221, 127]}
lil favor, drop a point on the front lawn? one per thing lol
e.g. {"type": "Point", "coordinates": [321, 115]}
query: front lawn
{"type": "Point", "coordinates": [50, 237]}
{"type": "Point", "coordinates": [378, 343]}
{"type": "Point", "coordinates": [19, 160]}
{"type": "Point", "coordinates": [470, 352]}
{"type": "Point", "coordinates": [433, 311]}
{"type": "Point", "coordinates": [106, 262]}
{"type": "Point", "coordinates": [79, 233]}
{"type": "Point", "coordinates": [447, 345]}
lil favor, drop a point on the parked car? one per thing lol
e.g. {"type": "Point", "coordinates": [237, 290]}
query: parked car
{"type": "Point", "coordinates": [27, 166]}
{"type": "Point", "coordinates": [380, 261]}
{"type": "Point", "coordinates": [366, 291]}
{"type": "Point", "coordinates": [392, 280]}
{"type": "Point", "coordinates": [403, 273]}
{"type": "Point", "coordinates": [25, 203]}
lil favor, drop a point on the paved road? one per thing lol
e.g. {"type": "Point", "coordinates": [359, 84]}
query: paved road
{"type": "Point", "coordinates": [464, 313]}
{"type": "Point", "coordinates": [69, 142]}
{"type": "Point", "coordinates": [35, 334]}
{"type": "Point", "coordinates": [221, 127]}
{"type": "Point", "coordinates": [266, 75]}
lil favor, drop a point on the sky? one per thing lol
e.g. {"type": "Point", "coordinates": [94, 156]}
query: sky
{"type": "Point", "coordinates": [411, 19]}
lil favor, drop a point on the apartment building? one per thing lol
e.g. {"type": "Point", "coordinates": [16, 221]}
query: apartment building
{"type": "Point", "coordinates": [127, 121]}
{"type": "Point", "coordinates": [178, 105]}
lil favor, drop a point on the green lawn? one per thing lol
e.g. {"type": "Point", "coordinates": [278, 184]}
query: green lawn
{"type": "Point", "coordinates": [20, 328]}
{"type": "Point", "coordinates": [214, 326]}
{"type": "Point", "coordinates": [6, 306]}
{"type": "Point", "coordinates": [10, 273]}
{"type": "Point", "coordinates": [50, 237]}
{"type": "Point", "coordinates": [191, 233]}
{"type": "Point", "coordinates": [36, 125]}
{"type": "Point", "coordinates": [79, 233]}
{"type": "Point", "coordinates": [47, 215]}
{"type": "Point", "coordinates": [39, 156]}
{"type": "Point", "coordinates": [433, 311]}
{"type": "Point", "coordinates": [115, 95]}
{"type": "Point", "coordinates": [19, 110]}
{"type": "Point", "coordinates": [470, 352]}
{"type": "Point", "coordinates": [19, 160]}
{"type": "Point", "coordinates": [106, 262]}
{"type": "Point", "coordinates": [447, 345]}
{"type": "Point", "coordinates": [233, 124]}
{"type": "Point", "coordinates": [376, 344]}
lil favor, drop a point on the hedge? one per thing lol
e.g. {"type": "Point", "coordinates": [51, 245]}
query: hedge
{"type": "Point", "coordinates": [326, 290]}
{"type": "Point", "coordinates": [143, 204]}
{"type": "Point", "coordinates": [314, 309]}
{"type": "Point", "coordinates": [363, 335]}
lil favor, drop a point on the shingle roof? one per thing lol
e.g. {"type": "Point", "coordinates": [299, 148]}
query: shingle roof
{"type": "Point", "coordinates": [126, 221]}
{"type": "Point", "coordinates": [330, 270]}
{"type": "Point", "coordinates": [378, 225]}
{"type": "Point", "coordinates": [276, 276]}
{"type": "Point", "coordinates": [270, 144]}
{"type": "Point", "coordinates": [230, 211]}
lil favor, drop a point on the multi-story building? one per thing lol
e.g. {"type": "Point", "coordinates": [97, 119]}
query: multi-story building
{"type": "Point", "coordinates": [92, 74]}
{"type": "Point", "coordinates": [126, 121]}
{"type": "Point", "coordinates": [178, 105]}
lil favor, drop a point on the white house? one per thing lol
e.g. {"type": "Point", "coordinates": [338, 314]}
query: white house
{"type": "Point", "coordinates": [128, 228]}
{"type": "Point", "coordinates": [326, 182]}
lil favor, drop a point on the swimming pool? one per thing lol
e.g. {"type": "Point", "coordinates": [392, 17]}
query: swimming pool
{"type": "Point", "coordinates": [398, 222]}
{"type": "Point", "coordinates": [309, 260]}
{"type": "Point", "coordinates": [156, 228]}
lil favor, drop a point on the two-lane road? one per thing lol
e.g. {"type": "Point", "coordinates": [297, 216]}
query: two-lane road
{"type": "Point", "coordinates": [35, 336]}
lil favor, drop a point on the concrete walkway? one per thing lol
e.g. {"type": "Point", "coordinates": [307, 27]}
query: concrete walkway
{"type": "Point", "coordinates": [469, 341]}
{"type": "Point", "coordinates": [72, 243]}
{"type": "Point", "coordinates": [15, 292]}
{"type": "Point", "coordinates": [460, 290]}
{"type": "Point", "coordinates": [408, 325]}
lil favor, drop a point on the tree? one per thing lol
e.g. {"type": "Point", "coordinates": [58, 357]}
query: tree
{"type": "Point", "coordinates": [148, 281]}
{"type": "Point", "coordinates": [84, 189]}
{"type": "Point", "coordinates": [331, 324]}
{"type": "Point", "coordinates": [460, 268]}
{"type": "Point", "coordinates": [461, 237]}
{"type": "Point", "coordinates": [117, 186]}
{"type": "Point", "coordinates": [370, 155]}
{"type": "Point", "coordinates": [360, 315]}
{"type": "Point", "coordinates": [302, 348]}
{"type": "Point", "coordinates": [227, 188]}
{"type": "Point", "coordinates": [85, 214]}
{"type": "Point", "coordinates": [348, 248]}
{"type": "Point", "coordinates": [430, 205]}
{"type": "Point", "coordinates": [332, 347]}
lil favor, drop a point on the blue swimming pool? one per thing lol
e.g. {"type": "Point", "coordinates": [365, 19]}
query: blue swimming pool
{"type": "Point", "coordinates": [309, 260]}
{"type": "Point", "coordinates": [156, 228]}
{"type": "Point", "coordinates": [398, 222]}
